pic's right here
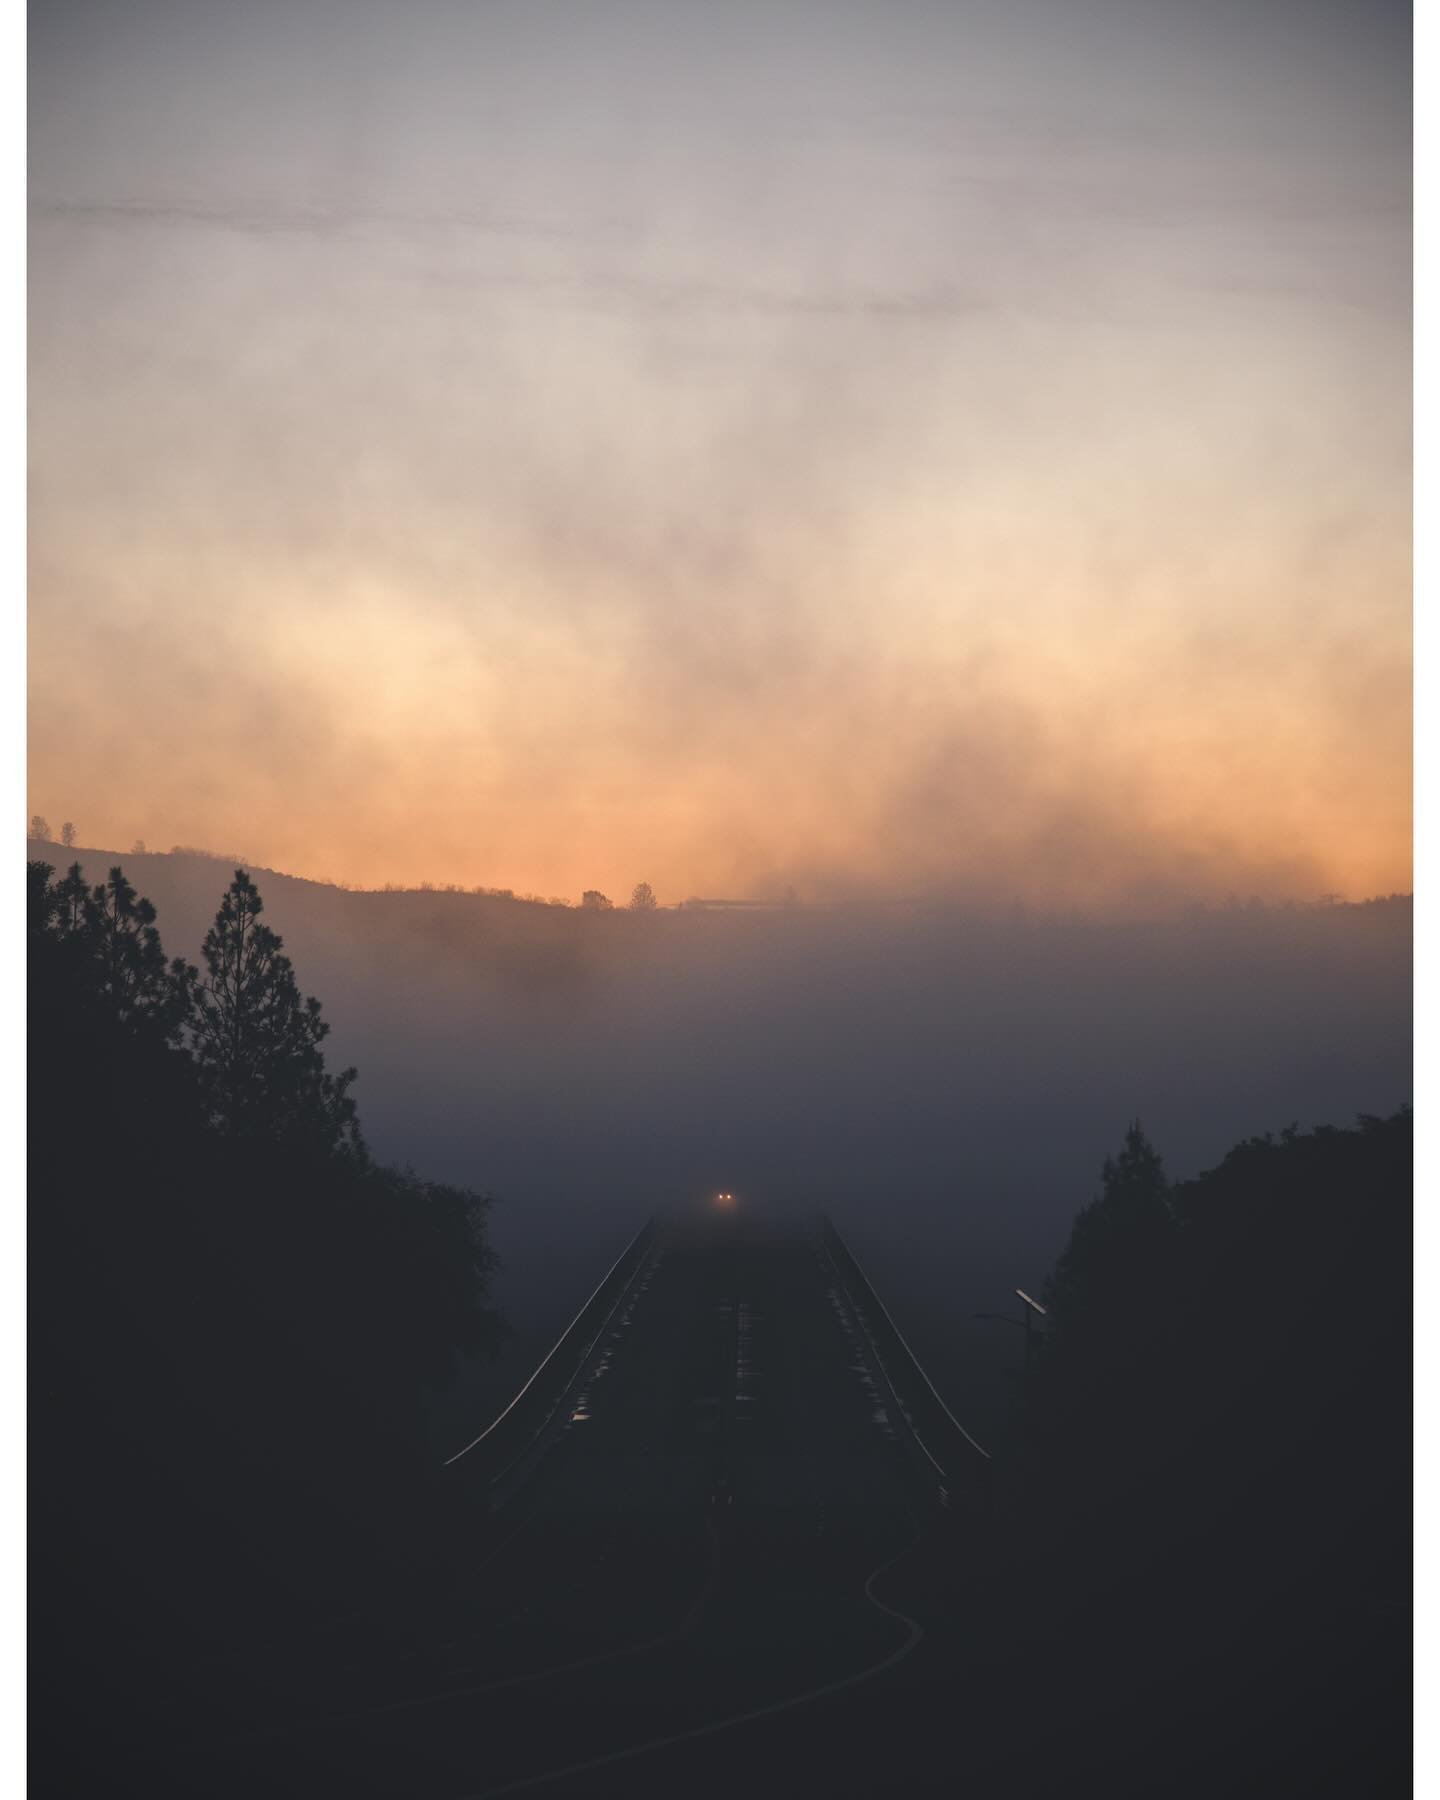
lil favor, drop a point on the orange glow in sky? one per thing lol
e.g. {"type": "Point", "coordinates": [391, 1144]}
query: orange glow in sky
{"type": "Point", "coordinates": [862, 461]}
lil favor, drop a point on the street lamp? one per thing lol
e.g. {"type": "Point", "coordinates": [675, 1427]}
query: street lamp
{"type": "Point", "coordinates": [1025, 1322]}
{"type": "Point", "coordinates": [1031, 1308]}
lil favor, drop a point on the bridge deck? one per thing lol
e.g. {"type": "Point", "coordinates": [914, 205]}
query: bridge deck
{"type": "Point", "coordinates": [733, 1370]}
{"type": "Point", "coordinates": [695, 1542]}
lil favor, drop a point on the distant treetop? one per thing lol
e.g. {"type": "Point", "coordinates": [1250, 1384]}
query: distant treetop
{"type": "Point", "coordinates": [594, 901]}
{"type": "Point", "coordinates": [642, 898]}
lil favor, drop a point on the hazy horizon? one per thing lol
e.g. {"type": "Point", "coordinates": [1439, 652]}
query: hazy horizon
{"type": "Point", "coordinates": [1143, 908]}
{"type": "Point", "coordinates": [946, 1082]}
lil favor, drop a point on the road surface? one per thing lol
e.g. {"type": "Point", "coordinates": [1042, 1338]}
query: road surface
{"type": "Point", "coordinates": [710, 1559]}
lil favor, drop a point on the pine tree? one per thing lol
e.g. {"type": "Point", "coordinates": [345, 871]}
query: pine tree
{"type": "Point", "coordinates": [107, 939]}
{"type": "Point", "coordinates": [1100, 1398]}
{"type": "Point", "coordinates": [257, 1041]}
{"type": "Point", "coordinates": [1106, 1277]}
{"type": "Point", "coordinates": [136, 978]}
{"type": "Point", "coordinates": [73, 903]}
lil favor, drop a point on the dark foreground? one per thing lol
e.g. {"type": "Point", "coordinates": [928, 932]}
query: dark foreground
{"type": "Point", "coordinates": [729, 1571]}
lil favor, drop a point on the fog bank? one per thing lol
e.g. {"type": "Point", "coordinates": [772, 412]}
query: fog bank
{"type": "Point", "coordinates": [946, 1083]}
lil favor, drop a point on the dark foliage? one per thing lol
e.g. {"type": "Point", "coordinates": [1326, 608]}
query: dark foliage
{"type": "Point", "coordinates": [1213, 1506]}
{"type": "Point", "coordinates": [1107, 1302]}
{"type": "Point", "coordinates": [257, 1042]}
{"type": "Point", "coordinates": [106, 942]}
{"type": "Point", "coordinates": [238, 1312]}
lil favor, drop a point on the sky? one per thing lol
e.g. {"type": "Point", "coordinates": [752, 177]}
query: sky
{"type": "Point", "coordinates": [918, 446]}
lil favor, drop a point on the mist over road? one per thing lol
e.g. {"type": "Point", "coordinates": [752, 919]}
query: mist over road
{"type": "Point", "coordinates": [943, 1081]}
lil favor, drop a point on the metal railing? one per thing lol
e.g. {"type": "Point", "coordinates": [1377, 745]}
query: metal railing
{"type": "Point", "coordinates": [959, 1466]}
{"type": "Point", "coordinates": [518, 1430]}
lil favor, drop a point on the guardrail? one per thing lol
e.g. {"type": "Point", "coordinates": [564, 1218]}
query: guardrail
{"type": "Point", "coordinates": [949, 1457]}
{"type": "Point", "coordinates": [490, 1460]}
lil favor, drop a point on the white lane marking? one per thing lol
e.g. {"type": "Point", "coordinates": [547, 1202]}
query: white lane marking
{"type": "Point", "coordinates": [914, 1634]}
{"type": "Point", "coordinates": [676, 1635]}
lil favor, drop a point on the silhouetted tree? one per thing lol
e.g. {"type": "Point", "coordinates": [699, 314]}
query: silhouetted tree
{"type": "Point", "coordinates": [1098, 1391]}
{"type": "Point", "coordinates": [595, 901]}
{"type": "Point", "coordinates": [1117, 1246]}
{"type": "Point", "coordinates": [111, 948]}
{"type": "Point", "coordinates": [39, 897]}
{"type": "Point", "coordinates": [135, 979]}
{"type": "Point", "coordinates": [138, 847]}
{"type": "Point", "coordinates": [257, 1041]}
{"type": "Point", "coordinates": [1215, 1484]}
{"type": "Point", "coordinates": [67, 835]}
{"type": "Point", "coordinates": [642, 898]}
{"type": "Point", "coordinates": [224, 1266]}
{"type": "Point", "coordinates": [431, 1261]}
{"type": "Point", "coordinates": [71, 901]}
{"type": "Point", "coordinates": [39, 828]}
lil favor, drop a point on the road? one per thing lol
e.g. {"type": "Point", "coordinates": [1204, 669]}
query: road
{"type": "Point", "coordinates": [719, 1532]}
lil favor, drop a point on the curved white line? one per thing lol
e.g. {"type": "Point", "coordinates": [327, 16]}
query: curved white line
{"type": "Point", "coordinates": [673, 1636]}
{"type": "Point", "coordinates": [914, 1634]}
{"type": "Point", "coordinates": [418, 1702]}
{"type": "Point", "coordinates": [553, 1348]}
{"type": "Point", "coordinates": [904, 1346]}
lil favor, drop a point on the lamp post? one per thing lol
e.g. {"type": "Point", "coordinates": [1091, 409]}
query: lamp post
{"type": "Point", "coordinates": [1025, 1323]}
{"type": "Point", "coordinates": [1031, 1308]}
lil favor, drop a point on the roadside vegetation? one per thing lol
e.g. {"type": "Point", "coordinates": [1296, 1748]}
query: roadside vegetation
{"type": "Point", "coordinates": [1197, 1559]}
{"type": "Point", "coordinates": [242, 1310]}
{"type": "Point", "coordinates": [1202, 1539]}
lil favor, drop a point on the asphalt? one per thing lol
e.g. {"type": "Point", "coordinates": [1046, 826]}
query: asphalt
{"type": "Point", "coordinates": [724, 1567]}
{"type": "Point", "coordinates": [707, 1551]}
